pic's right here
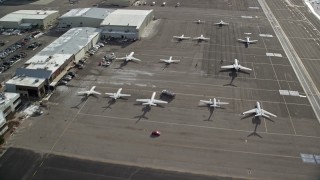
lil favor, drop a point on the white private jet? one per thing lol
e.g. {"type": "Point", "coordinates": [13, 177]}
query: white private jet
{"type": "Point", "coordinates": [259, 112]}
{"type": "Point", "coordinates": [151, 101]}
{"type": "Point", "coordinates": [117, 95]}
{"type": "Point", "coordinates": [163, 4]}
{"type": "Point", "coordinates": [90, 92]}
{"type": "Point", "coordinates": [180, 38]}
{"type": "Point", "coordinates": [169, 61]}
{"type": "Point", "coordinates": [201, 38]}
{"type": "Point", "coordinates": [247, 40]}
{"type": "Point", "coordinates": [199, 21]}
{"type": "Point", "coordinates": [221, 23]}
{"type": "Point", "coordinates": [153, 3]}
{"type": "Point", "coordinates": [129, 57]}
{"type": "Point", "coordinates": [236, 66]}
{"type": "Point", "coordinates": [214, 103]}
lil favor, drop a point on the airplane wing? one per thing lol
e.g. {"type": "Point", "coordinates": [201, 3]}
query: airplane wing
{"type": "Point", "coordinates": [122, 58]}
{"type": "Point", "coordinates": [221, 103]}
{"type": "Point", "coordinates": [125, 95]}
{"type": "Point", "coordinates": [95, 92]}
{"type": "Point", "coordinates": [205, 102]}
{"type": "Point", "coordinates": [250, 111]}
{"type": "Point", "coordinates": [164, 60]}
{"type": "Point", "coordinates": [143, 100]}
{"type": "Point", "coordinates": [156, 101]}
{"type": "Point", "coordinates": [269, 113]}
{"type": "Point", "coordinates": [83, 92]}
{"type": "Point", "coordinates": [205, 38]}
{"type": "Point", "coordinates": [135, 59]}
{"type": "Point", "coordinates": [227, 67]}
{"type": "Point", "coordinates": [241, 40]}
{"type": "Point", "coordinates": [177, 37]}
{"type": "Point", "coordinates": [109, 94]}
{"type": "Point", "coordinates": [253, 41]}
{"type": "Point", "coordinates": [245, 68]}
{"type": "Point", "coordinates": [175, 60]}
{"type": "Point", "coordinates": [196, 38]}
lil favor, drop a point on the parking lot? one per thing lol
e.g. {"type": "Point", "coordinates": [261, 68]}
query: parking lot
{"type": "Point", "coordinates": [193, 139]}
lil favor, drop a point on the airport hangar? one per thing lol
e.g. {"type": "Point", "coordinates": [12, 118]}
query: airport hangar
{"type": "Point", "coordinates": [119, 23]}
{"type": "Point", "coordinates": [9, 103]}
{"type": "Point", "coordinates": [123, 23]}
{"type": "Point", "coordinates": [83, 17]}
{"type": "Point", "coordinates": [26, 19]}
{"type": "Point", "coordinates": [43, 71]}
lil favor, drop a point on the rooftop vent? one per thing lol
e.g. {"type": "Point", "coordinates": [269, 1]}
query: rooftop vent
{"type": "Point", "coordinates": [36, 80]}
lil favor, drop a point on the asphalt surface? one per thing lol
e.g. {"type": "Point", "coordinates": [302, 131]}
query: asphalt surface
{"type": "Point", "coordinates": [25, 164]}
{"type": "Point", "coordinates": [193, 139]}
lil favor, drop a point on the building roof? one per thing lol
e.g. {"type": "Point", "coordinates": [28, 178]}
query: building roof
{"type": "Point", "coordinates": [26, 81]}
{"type": "Point", "coordinates": [54, 55]}
{"type": "Point", "coordinates": [27, 14]}
{"type": "Point", "coordinates": [98, 13]}
{"type": "Point", "coordinates": [125, 17]}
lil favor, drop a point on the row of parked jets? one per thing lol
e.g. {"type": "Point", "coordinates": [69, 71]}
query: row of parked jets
{"type": "Point", "coordinates": [153, 102]}
{"type": "Point", "coordinates": [246, 40]}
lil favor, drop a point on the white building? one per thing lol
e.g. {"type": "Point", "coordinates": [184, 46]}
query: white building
{"type": "Point", "coordinates": [9, 103]}
{"type": "Point", "coordinates": [43, 71]}
{"type": "Point", "coordinates": [83, 17]}
{"type": "Point", "coordinates": [36, 18]}
{"type": "Point", "coordinates": [123, 23]}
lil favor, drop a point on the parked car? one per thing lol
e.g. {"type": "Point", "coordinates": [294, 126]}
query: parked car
{"type": "Point", "coordinates": [72, 74]}
{"type": "Point", "coordinates": [155, 133]}
{"type": "Point", "coordinates": [168, 93]}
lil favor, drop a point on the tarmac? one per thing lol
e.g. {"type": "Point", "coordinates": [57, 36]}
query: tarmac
{"type": "Point", "coordinates": [219, 142]}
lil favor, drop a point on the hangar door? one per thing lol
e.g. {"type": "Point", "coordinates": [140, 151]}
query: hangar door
{"type": "Point", "coordinates": [96, 39]}
{"type": "Point", "coordinates": [79, 55]}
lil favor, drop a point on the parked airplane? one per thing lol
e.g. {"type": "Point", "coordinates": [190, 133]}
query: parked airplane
{"type": "Point", "coordinates": [153, 3]}
{"type": "Point", "coordinates": [214, 103]}
{"type": "Point", "coordinates": [236, 66]}
{"type": "Point", "coordinates": [199, 21]}
{"type": "Point", "coordinates": [151, 101]}
{"type": "Point", "coordinates": [169, 61]}
{"type": "Point", "coordinates": [247, 40]}
{"type": "Point", "coordinates": [90, 92]}
{"type": "Point", "coordinates": [178, 4]}
{"type": "Point", "coordinates": [129, 57]}
{"type": "Point", "coordinates": [163, 4]}
{"type": "Point", "coordinates": [117, 94]}
{"type": "Point", "coordinates": [182, 37]}
{"type": "Point", "coordinates": [221, 23]}
{"type": "Point", "coordinates": [201, 38]}
{"type": "Point", "coordinates": [259, 111]}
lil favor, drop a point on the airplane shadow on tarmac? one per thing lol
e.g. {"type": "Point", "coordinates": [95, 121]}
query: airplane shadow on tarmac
{"type": "Point", "coordinates": [83, 99]}
{"type": "Point", "coordinates": [233, 74]}
{"type": "Point", "coordinates": [110, 103]}
{"type": "Point", "coordinates": [256, 120]}
{"type": "Point", "coordinates": [145, 110]}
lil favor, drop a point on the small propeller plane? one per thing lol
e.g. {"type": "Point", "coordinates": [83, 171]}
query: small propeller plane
{"type": "Point", "coordinates": [169, 61]}
{"type": "Point", "coordinates": [151, 101]}
{"type": "Point", "coordinates": [236, 66]}
{"type": "Point", "coordinates": [214, 103]}
{"type": "Point", "coordinates": [199, 21]}
{"type": "Point", "coordinates": [259, 112]}
{"type": "Point", "coordinates": [247, 40]}
{"type": "Point", "coordinates": [129, 57]}
{"type": "Point", "coordinates": [180, 38]}
{"type": "Point", "coordinates": [221, 23]}
{"type": "Point", "coordinates": [117, 95]}
{"type": "Point", "coordinates": [201, 38]}
{"type": "Point", "coordinates": [89, 92]}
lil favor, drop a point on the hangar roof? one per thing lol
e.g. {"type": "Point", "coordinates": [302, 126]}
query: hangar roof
{"type": "Point", "coordinates": [98, 13]}
{"type": "Point", "coordinates": [60, 50]}
{"type": "Point", "coordinates": [27, 14]}
{"type": "Point", "coordinates": [125, 17]}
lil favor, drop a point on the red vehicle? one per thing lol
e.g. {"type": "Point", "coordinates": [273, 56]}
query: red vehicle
{"type": "Point", "coordinates": [155, 133]}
